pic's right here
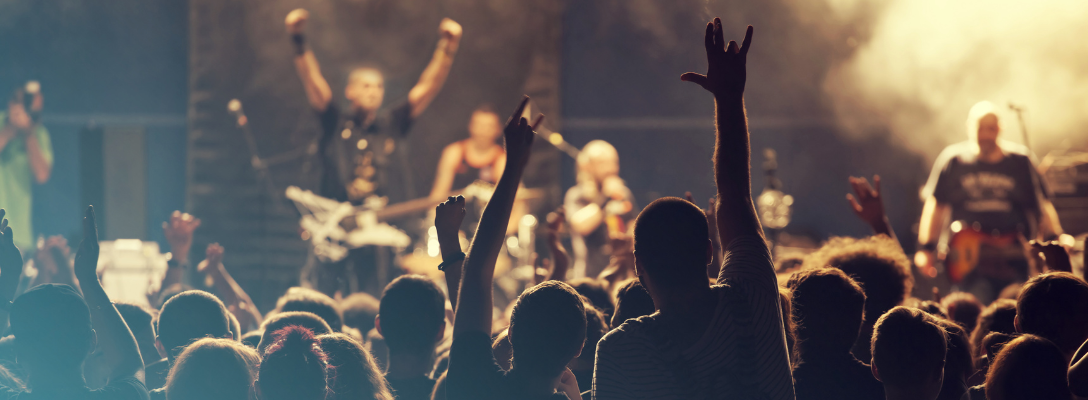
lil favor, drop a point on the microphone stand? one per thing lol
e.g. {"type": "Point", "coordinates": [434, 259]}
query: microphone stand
{"type": "Point", "coordinates": [1023, 128]}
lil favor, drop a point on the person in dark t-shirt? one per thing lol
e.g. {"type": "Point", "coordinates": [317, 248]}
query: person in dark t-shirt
{"type": "Point", "coordinates": [358, 145]}
{"type": "Point", "coordinates": [989, 185]}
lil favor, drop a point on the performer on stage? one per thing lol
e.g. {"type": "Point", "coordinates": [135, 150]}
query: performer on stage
{"type": "Point", "coordinates": [990, 186]}
{"type": "Point", "coordinates": [357, 144]}
{"type": "Point", "coordinates": [599, 207]}
{"type": "Point", "coordinates": [26, 155]}
{"type": "Point", "coordinates": [478, 158]}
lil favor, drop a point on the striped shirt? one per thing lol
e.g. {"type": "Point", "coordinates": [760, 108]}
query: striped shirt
{"type": "Point", "coordinates": [742, 355]}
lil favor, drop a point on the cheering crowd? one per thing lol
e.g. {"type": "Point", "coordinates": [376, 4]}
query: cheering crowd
{"type": "Point", "coordinates": [690, 307]}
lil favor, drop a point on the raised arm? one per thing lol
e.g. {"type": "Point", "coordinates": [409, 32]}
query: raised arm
{"type": "Point", "coordinates": [434, 76]}
{"type": "Point", "coordinates": [117, 343]}
{"type": "Point", "coordinates": [447, 222]}
{"type": "Point", "coordinates": [11, 266]}
{"type": "Point", "coordinates": [934, 218]}
{"type": "Point", "coordinates": [732, 153]}
{"type": "Point", "coordinates": [869, 205]}
{"type": "Point", "coordinates": [179, 235]}
{"type": "Point", "coordinates": [234, 297]}
{"type": "Point", "coordinates": [317, 88]}
{"type": "Point", "coordinates": [561, 263]}
{"type": "Point", "coordinates": [473, 312]}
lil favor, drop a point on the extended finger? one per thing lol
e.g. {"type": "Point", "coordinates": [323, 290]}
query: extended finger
{"type": "Point", "coordinates": [696, 78]}
{"type": "Point", "coordinates": [3, 213]}
{"type": "Point", "coordinates": [708, 39]}
{"type": "Point", "coordinates": [747, 41]}
{"type": "Point", "coordinates": [858, 189]}
{"type": "Point", "coordinates": [876, 185]}
{"type": "Point", "coordinates": [854, 203]}
{"type": "Point", "coordinates": [719, 38]}
{"type": "Point", "coordinates": [516, 117]}
{"type": "Point", "coordinates": [90, 230]}
{"type": "Point", "coordinates": [537, 121]}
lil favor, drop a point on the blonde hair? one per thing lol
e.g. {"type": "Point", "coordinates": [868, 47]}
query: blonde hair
{"type": "Point", "coordinates": [978, 111]}
{"type": "Point", "coordinates": [595, 149]}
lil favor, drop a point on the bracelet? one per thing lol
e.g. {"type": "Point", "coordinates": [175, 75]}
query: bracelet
{"type": "Point", "coordinates": [300, 43]}
{"type": "Point", "coordinates": [460, 256]}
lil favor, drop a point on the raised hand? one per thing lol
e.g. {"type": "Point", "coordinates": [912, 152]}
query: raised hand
{"type": "Point", "coordinates": [519, 136]}
{"type": "Point", "coordinates": [868, 204]}
{"type": "Point", "coordinates": [449, 29]}
{"type": "Point", "coordinates": [1055, 255]}
{"type": "Point", "coordinates": [86, 265]}
{"type": "Point", "coordinates": [449, 215]}
{"type": "Point", "coordinates": [179, 233]}
{"type": "Point", "coordinates": [213, 257]}
{"type": "Point", "coordinates": [296, 20]}
{"type": "Point", "coordinates": [726, 73]}
{"type": "Point", "coordinates": [11, 260]}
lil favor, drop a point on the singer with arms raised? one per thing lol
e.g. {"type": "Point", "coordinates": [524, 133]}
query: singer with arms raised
{"type": "Point", "coordinates": [988, 192]}
{"type": "Point", "coordinates": [357, 145]}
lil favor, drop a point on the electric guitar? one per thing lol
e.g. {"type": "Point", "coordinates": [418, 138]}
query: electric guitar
{"type": "Point", "coordinates": [968, 248]}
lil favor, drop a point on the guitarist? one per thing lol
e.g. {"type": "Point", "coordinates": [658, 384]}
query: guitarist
{"type": "Point", "coordinates": [358, 143]}
{"type": "Point", "coordinates": [990, 186]}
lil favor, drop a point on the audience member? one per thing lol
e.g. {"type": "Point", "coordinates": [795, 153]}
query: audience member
{"type": "Point", "coordinates": [55, 328]}
{"type": "Point", "coordinates": [309, 300]}
{"type": "Point", "coordinates": [356, 374]}
{"type": "Point", "coordinates": [828, 308]}
{"type": "Point", "coordinates": [213, 369]}
{"type": "Point", "coordinates": [412, 319]}
{"type": "Point", "coordinates": [999, 316]}
{"type": "Point", "coordinates": [632, 301]}
{"type": "Point", "coordinates": [596, 328]}
{"type": "Point", "coordinates": [547, 325]}
{"type": "Point", "coordinates": [1054, 306]}
{"type": "Point", "coordinates": [958, 366]}
{"type": "Point", "coordinates": [1029, 367]}
{"type": "Point", "coordinates": [878, 264]}
{"type": "Point", "coordinates": [294, 367]}
{"type": "Point", "coordinates": [140, 321]}
{"type": "Point", "coordinates": [992, 345]}
{"type": "Point", "coordinates": [184, 318]}
{"type": "Point", "coordinates": [722, 341]}
{"type": "Point", "coordinates": [276, 322]}
{"type": "Point", "coordinates": [359, 310]}
{"type": "Point", "coordinates": [909, 351]}
{"type": "Point", "coordinates": [963, 308]}
{"type": "Point", "coordinates": [596, 291]}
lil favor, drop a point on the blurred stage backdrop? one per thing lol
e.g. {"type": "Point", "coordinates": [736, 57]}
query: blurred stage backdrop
{"type": "Point", "coordinates": [837, 88]}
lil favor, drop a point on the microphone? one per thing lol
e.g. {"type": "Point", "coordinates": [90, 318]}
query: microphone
{"type": "Point", "coordinates": [234, 106]}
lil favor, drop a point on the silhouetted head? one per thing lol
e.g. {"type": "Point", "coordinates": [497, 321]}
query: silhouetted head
{"type": "Point", "coordinates": [294, 367]}
{"type": "Point", "coordinates": [213, 369]}
{"type": "Point", "coordinates": [273, 324]}
{"type": "Point", "coordinates": [52, 328]}
{"type": "Point", "coordinates": [596, 328]}
{"type": "Point", "coordinates": [309, 300]}
{"type": "Point", "coordinates": [963, 308]}
{"type": "Point", "coordinates": [877, 263]}
{"type": "Point", "coordinates": [932, 307]}
{"type": "Point", "coordinates": [596, 291]}
{"type": "Point", "coordinates": [958, 366]}
{"type": "Point", "coordinates": [547, 329]}
{"type": "Point", "coordinates": [412, 316]}
{"type": "Point", "coordinates": [672, 246]}
{"type": "Point", "coordinates": [909, 352]}
{"type": "Point", "coordinates": [828, 308]}
{"type": "Point", "coordinates": [999, 316]}
{"type": "Point", "coordinates": [485, 125]}
{"type": "Point", "coordinates": [357, 375]}
{"type": "Point", "coordinates": [1055, 307]}
{"type": "Point", "coordinates": [365, 89]}
{"type": "Point", "coordinates": [632, 301]}
{"type": "Point", "coordinates": [140, 321]}
{"type": "Point", "coordinates": [188, 316]}
{"type": "Point", "coordinates": [1028, 367]}
{"type": "Point", "coordinates": [359, 311]}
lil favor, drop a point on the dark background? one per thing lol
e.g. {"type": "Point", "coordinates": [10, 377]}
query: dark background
{"type": "Point", "coordinates": [601, 69]}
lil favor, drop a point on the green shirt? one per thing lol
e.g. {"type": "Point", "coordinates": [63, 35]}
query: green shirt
{"type": "Point", "coordinates": [16, 179]}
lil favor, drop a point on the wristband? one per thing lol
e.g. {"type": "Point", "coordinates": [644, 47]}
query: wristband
{"type": "Point", "coordinates": [460, 256]}
{"type": "Point", "coordinates": [300, 43]}
{"type": "Point", "coordinates": [932, 246]}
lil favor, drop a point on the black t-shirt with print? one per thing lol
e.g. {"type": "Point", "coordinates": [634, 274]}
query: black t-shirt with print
{"type": "Point", "coordinates": [359, 161]}
{"type": "Point", "coordinates": [1002, 196]}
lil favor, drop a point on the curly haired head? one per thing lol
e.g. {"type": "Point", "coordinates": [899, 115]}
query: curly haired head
{"type": "Point", "coordinates": [877, 263]}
